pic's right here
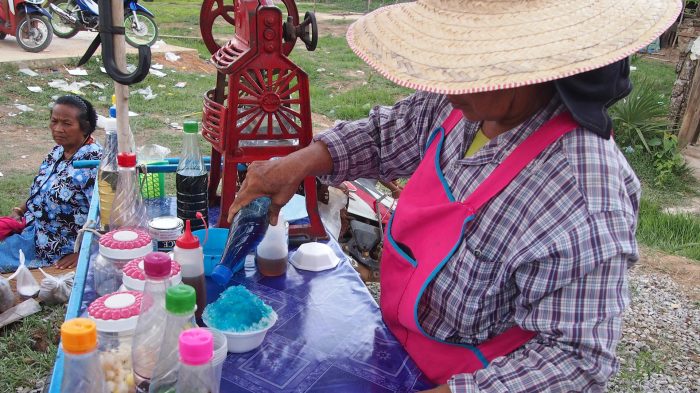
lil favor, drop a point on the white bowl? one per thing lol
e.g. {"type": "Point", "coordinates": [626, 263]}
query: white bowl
{"type": "Point", "coordinates": [239, 342]}
{"type": "Point", "coordinates": [314, 257]}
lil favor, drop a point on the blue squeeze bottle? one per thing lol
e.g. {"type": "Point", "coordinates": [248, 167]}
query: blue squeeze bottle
{"type": "Point", "coordinates": [246, 232]}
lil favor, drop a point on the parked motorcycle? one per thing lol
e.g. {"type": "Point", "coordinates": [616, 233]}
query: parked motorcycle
{"type": "Point", "coordinates": [363, 224]}
{"type": "Point", "coordinates": [72, 16]}
{"type": "Point", "coordinates": [29, 23]}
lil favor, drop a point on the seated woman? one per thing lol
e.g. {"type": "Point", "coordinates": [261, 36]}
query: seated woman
{"type": "Point", "coordinates": [59, 198]}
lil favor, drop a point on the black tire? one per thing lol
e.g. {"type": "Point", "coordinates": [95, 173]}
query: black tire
{"type": "Point", "coordinates": [2, 36]}
{"type": "Point", "coordinates": [36, 35]}
{"type": "Point", "coordinates": [148, 33]}
{"type": "Point", "coordinates": [60, 28]}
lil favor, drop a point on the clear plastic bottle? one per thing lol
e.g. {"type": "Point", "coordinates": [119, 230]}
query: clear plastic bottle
{"type": "Point", "coordinates": [271, 254]}
{"type": "Point", "coordinates": [128, 209]}
{"type": "Point", "coordinates": [189, 254]}
{"type": "Point", "coordinates": [191, 179]}
{"type": "Point", "coordinates": [196, 374]}
{"type": "Point", "coordinates": [81, 365]}
{"type": "Point", "coordinates": [108, 171]}
{"type": "Point", "coordinates": [180, 305]}
{"type": "Point", "coordinates": [247, 230]}
{"type": "Point", "coordinates": [151, 325]}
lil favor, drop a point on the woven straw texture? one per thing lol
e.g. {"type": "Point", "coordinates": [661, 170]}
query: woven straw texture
{"type": "Point", "coordinates": [468, 46]}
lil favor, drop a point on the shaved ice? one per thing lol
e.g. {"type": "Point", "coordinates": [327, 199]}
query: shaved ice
{"type": "Point", "coordinates": [238, 310]}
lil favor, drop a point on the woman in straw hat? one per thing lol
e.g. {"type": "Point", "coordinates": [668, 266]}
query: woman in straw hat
{"type": "Point", "coordinates": [504, 265]}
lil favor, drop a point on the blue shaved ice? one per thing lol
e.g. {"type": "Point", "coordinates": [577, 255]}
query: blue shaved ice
{"type": "Point", "coordinates": [238, 310]}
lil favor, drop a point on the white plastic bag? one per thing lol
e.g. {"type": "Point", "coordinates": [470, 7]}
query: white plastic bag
{"type": "Point", "coordinates": [26, 284]}
{"type": "Point", "coordinates": [7, 297]}
{"type": "Point", "coordinates": [56, 290]}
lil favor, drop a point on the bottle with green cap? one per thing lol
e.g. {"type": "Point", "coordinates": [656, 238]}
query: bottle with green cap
{"type": "Point", "coordinates": [191, 179]}
{"type": "Point", "coordinates": [180, 304]}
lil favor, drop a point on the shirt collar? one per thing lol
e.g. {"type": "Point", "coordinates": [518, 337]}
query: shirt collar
{"type": "Point", "coordinates": [501, 146]}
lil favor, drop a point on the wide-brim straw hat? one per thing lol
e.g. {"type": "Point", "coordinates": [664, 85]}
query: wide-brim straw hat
{"type": "Point", "coordinates": [468, 46]}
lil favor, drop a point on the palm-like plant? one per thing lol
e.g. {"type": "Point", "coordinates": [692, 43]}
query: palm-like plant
{"type": "Point", "coordinates": [640, 117]}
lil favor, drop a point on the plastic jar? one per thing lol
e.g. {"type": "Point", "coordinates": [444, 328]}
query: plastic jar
{"type": "Point", "coordinates": [134, 278]}
{"type": "Point", "coordinates": [116, 315]}
{"type": "Point", "coordinates": [117, 248]}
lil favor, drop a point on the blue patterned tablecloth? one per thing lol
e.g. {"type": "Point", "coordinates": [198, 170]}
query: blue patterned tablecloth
{"type": "Point", "coordinates": [329, 336]}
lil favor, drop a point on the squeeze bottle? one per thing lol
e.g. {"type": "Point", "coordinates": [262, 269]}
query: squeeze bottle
{"type": "Point", "coordinates": [189, 254]}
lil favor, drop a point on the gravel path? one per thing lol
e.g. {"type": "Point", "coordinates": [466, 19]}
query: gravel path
{"type": "Point", "coordinates": [660, 347]}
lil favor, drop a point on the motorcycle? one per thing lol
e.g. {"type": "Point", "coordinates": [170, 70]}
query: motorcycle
{"type": "Point", "coordinates": [363, 223]}
{"type": "Point", "coordinates": [72, 16]}
{"type": "Point", "coordinates": [29, 23]}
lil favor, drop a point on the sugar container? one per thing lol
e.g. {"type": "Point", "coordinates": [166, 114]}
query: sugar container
{"type": "Point", "coordinates": [134, 278]}
{"type": "Point", "coordinates": [116, 315]}
{"type": "Point", "coordinates": [117, 248]}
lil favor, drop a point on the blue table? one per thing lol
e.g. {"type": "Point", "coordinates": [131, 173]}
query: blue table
{"type": "Point", "coordinates": [329, 336]}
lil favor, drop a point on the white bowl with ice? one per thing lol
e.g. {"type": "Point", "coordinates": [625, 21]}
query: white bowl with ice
{"type": "Point", "coordinates": [242, 317]}
{"type": "Point", "coordinates": [239, 342]}
{"type": "Point", "coordinates": [314, 257]}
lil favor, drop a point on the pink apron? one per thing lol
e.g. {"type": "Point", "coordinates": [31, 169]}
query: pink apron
{"type": "Point", "coordinates": [423, 234]}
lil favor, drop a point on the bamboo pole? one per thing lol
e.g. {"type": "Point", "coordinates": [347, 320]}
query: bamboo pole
{"type": "Point", "coordinates": [125, 139]}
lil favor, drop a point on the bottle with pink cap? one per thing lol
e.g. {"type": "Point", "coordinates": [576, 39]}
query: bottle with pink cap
{"type": "Point", "coordinates": [196, 374]}
{"type": "Point", "coordinates": [151, 324]}
{"type": "Point", "coordinates": [128, 209]}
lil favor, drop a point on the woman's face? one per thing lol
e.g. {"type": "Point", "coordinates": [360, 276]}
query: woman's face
{"type": "Point", "coordinates": [65, 127]}
{"type": "Point", "coordinates": [487, 106]}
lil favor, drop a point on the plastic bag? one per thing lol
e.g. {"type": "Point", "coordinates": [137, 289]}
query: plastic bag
{"type": "Point", "coordinates": [7, 297]}
{"type": "Point", "coordinates": [56, 290]}
{"type": "Point", "coordinates": [152, 153]}
{"type": "Point", "coordinates": [26, 283]}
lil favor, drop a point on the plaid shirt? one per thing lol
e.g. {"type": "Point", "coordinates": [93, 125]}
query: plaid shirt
{"type": "Point", "coordinates": [549, 253]}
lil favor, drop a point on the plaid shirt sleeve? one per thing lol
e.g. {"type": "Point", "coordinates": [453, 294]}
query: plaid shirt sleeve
{"type": "Point", "coordinates": [572, 296]}
{"type": "Point", "coordinates": [386, 145]}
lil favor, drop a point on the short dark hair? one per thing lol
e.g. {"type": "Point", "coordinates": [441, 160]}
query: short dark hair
{"type": "Point", "coordinates": [87, 117]}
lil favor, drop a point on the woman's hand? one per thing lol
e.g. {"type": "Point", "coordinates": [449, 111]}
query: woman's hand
{"type": "Point", "coordinates": [17, 213]}
{"type": "Point", "coordinates": [279, 179]}
{"type": "Point", "coordinates": [68, 261]}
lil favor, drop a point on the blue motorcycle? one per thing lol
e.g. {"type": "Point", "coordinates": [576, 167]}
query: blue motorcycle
{"type": "Point", "coordinates": [72, 16]}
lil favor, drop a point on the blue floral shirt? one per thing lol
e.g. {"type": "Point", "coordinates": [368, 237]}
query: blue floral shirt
{"type": "Point", "coordinates": [59, 200]}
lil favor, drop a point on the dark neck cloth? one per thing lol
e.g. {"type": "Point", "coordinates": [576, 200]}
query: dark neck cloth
{"type": "Point", "coordinates": [589, 95]}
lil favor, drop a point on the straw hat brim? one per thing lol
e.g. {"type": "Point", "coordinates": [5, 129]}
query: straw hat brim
{"type": "Point", "coordinates": [469, 46]}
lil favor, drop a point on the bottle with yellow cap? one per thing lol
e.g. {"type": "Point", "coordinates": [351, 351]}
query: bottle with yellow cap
{"type": "Point", "coordinates": [81, 365]}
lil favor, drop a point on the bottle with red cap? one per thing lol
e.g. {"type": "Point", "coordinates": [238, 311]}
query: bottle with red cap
{"type": "Point", "coordinates": [196, 373]}
{"type": "Point", "coordinates": [151, 324]}
{"type": "Point", "coordinates": [189, 254]}
{"type": "Point", "coordinates": [128, 209]}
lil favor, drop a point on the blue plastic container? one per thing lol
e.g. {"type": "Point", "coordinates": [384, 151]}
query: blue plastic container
{"type": "Point", "coordinates": [213, 248]}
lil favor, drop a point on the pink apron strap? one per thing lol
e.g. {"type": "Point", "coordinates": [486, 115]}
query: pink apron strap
{"type": "Point", "coordinates": [520, 158]}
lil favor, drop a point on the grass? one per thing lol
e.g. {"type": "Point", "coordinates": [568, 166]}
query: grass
{"type": "Point", "coordinates": [638, 368]}
{"type": "Point", "coordinates": [673, 233]}
{"type": "Point", "coordinates": [28, 348]}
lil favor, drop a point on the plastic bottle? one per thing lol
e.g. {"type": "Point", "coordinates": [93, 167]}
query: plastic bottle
{"type": "Point", "coordinates": [196, 374]}
{"type": "Point", "coordinates": [150, 327]}
{"type": "Point", "coordinates": [81, 365]}
{"type": "Point", "coordinates": [128, 209]}
{"type": "Point", "coordinates": [108, 172]}
{"type": "Point", "coordinates": [189, 254]}
{"type": "Point", "coordinates": [271, 254]}
{"type": "Point", "coordinates": [180, 306]}
{"type": "Point", "coordinates": [191, 179]}
{"type": "Point", "coordinates": [247, 230]}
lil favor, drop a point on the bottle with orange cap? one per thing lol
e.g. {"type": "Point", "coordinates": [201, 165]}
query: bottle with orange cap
{"type": "Point", "coordinates": [81, 365]}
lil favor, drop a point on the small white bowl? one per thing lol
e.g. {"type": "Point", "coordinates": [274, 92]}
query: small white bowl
{"type": "Point", "coordinates": [239, 342]}
{"type": "Point", "coordinates": [314, 257]}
